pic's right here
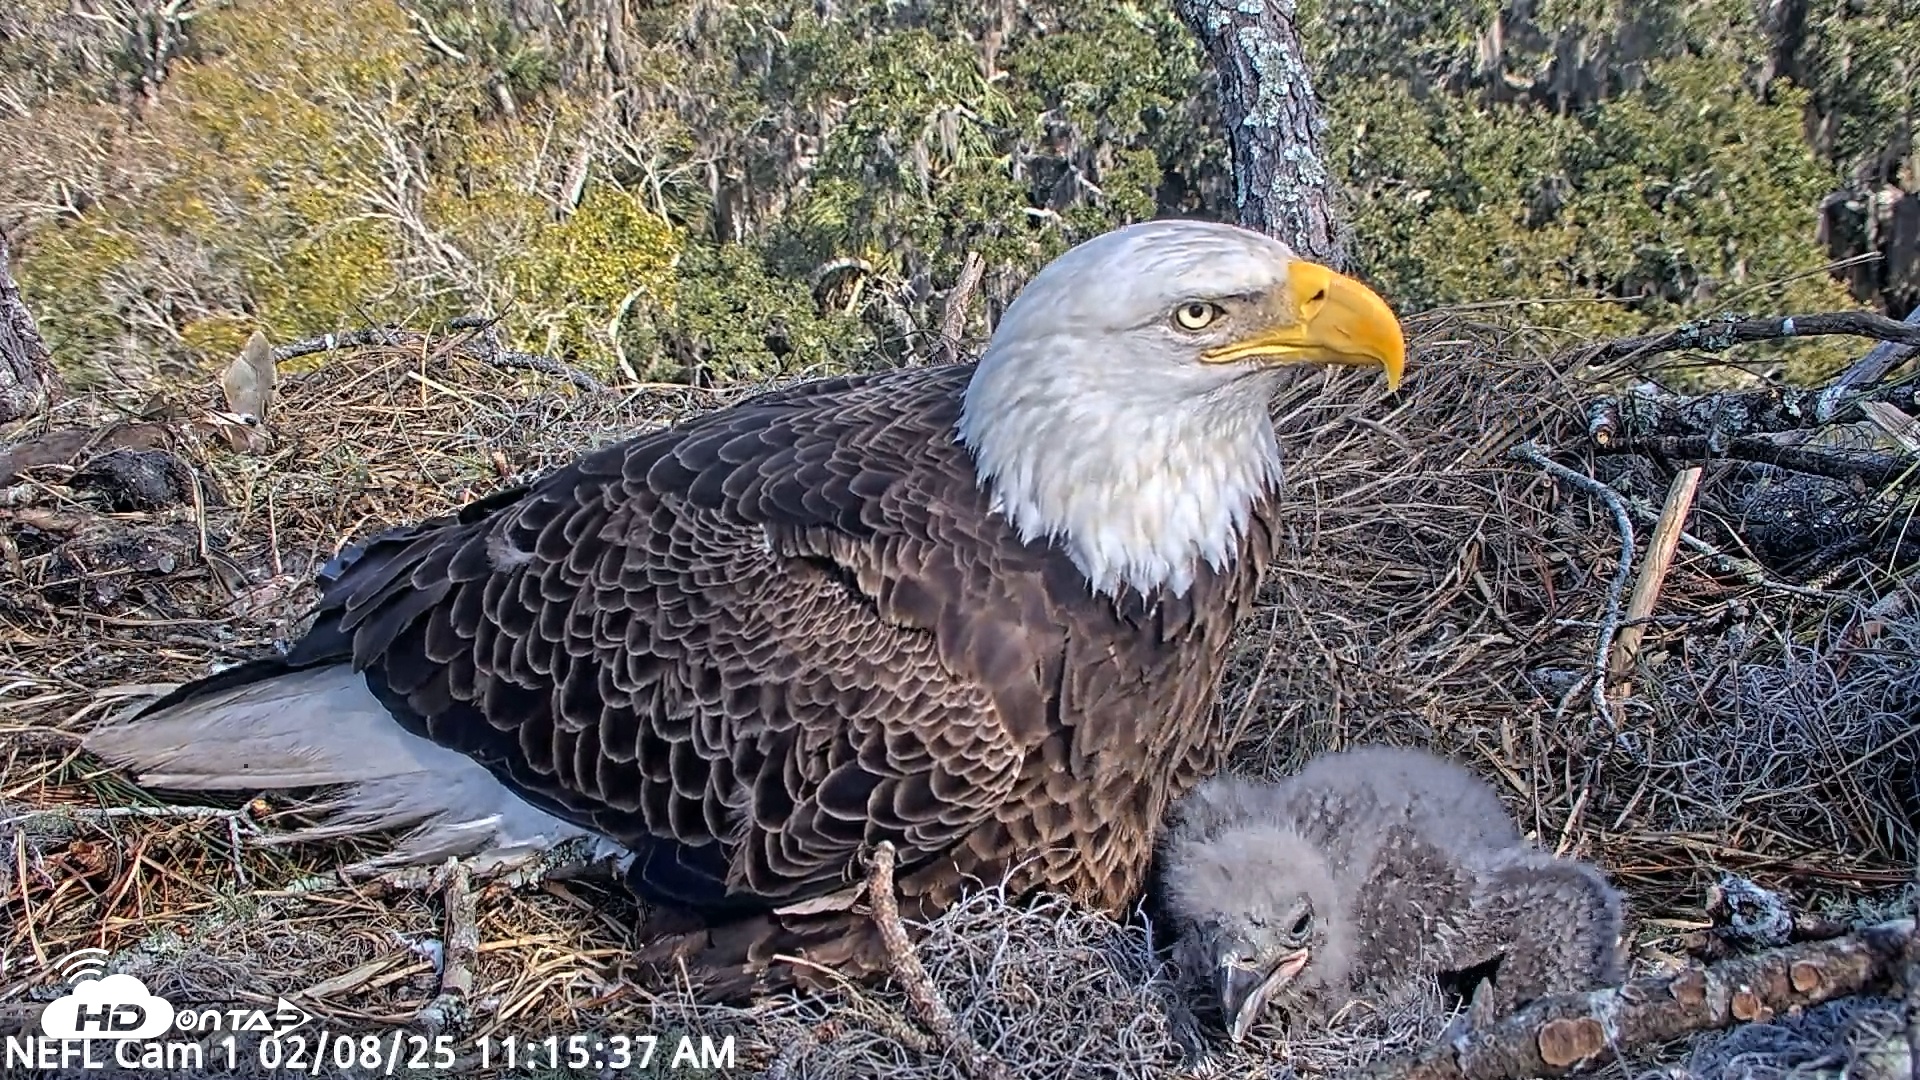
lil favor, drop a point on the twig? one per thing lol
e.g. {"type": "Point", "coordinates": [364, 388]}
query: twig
{"type": "Point", "coordinates": [1610, 623]}
{"type": "Point", "coordinates": [1565, 1033]}
{"type": "Point", "coordinates": [913, 977]}
{"type": "Point", "coordinates": [1897, 425]}
{"type": "Point", "coordinates": [484, 346]}
{"type": "Point", "coordinates": [1722, 332]}
{"type": "Point", "coordinates": [461, 944]}
{"type": "Point", "coordinates": [1884, 612]}
{"type": "Point", "coordinates": [498, 354]}
{"type": "Point", "coordinates": [788, 1058]}
{"type": "Point", "coordinates": [426, 31]}
{"type": "Point", "coordinates": [1653, 573]}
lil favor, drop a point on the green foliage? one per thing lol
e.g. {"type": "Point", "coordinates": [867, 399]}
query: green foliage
{"type": "Point", "coordinates": [1685, 193]}
{"type": "Point", "coordinates": [484, 36]}
{"type": "Point", "coordinates": [777, 186]}
{"type": "Point", "coordinates": [1679, 195]}
{"type": "Point", "coordinates": [245, 180]}
{"type": "Point", "coordinates": [1864, 58]}
{"type": "Point", "coordinates": [580, 273]}
{"type": "Point", "coordinates": [728, 318]}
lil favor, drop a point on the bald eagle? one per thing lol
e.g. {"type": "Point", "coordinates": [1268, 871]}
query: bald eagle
{"type": "Point", "coordinates": [977, 610]}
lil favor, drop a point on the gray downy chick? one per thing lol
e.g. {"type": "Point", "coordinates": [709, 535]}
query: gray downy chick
{"type": "Point", "coordinates": [1364, 871]}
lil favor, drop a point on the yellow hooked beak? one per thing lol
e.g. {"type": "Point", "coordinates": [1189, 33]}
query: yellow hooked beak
{"type": "Point", "coordinates": [1324, 318]}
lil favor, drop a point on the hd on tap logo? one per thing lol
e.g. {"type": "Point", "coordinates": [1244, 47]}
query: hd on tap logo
{"type": "Point", "coordinates": [106, 1021]}
{"type": "Point", "coordinates": [104, 1007]}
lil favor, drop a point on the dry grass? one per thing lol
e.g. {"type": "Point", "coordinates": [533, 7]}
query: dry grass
{"type": "Point", "coordinates": [1432, 592]}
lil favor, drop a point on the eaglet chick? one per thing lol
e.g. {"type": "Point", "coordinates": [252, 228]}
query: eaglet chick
{"type": "Point", "coordinates": [1366, 870]}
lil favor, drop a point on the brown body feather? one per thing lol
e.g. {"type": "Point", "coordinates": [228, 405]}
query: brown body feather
{"type": "Point", "coordinates": [750, 646]}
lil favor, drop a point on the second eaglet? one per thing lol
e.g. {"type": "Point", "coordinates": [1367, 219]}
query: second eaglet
{"type": "Point", "coordinates": [1366, 870]}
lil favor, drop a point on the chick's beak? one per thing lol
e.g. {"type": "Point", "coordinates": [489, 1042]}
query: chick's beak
{"type": "Point", "coordinates": [1245, 991]}
{"type": "Point", "coordinates": [1323, 317]}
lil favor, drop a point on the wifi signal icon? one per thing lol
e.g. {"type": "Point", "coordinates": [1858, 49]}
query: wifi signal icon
{"type": "Point", "coordinates": [84, 965]}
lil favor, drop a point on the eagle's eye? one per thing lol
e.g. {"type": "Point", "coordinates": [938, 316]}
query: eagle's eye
{"type": "Point", "coordinates": [1299, 928]}
{"type": "Point", "coordinates": [1197, 315]}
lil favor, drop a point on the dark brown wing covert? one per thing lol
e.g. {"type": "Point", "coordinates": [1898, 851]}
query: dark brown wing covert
{"type": "Point", "coordinates": [745, 647]}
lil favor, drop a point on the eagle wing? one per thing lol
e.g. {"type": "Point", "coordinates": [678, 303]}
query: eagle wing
{"type": "Point", "coordinates": [746, 647]}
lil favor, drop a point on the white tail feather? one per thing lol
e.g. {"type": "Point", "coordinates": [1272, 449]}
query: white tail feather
{"type": "Point", "coordinates": [323, 727]}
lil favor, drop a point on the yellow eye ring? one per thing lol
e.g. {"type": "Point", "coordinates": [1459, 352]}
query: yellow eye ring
{"type": "Point", "coordinates": [1197, 315]}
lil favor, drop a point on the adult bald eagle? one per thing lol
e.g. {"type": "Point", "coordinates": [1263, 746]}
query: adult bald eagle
{"type": "Point", "coordinates": [978, 611]}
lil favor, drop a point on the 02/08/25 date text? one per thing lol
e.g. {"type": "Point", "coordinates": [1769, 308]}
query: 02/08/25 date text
{"type": "Point", "coordinates": [403, 1054]}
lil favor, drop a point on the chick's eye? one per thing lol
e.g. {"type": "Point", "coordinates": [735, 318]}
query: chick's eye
{"type": "Point", "coordinates": [1301, 924]}
{"type": "Point", "coordinates": [1197, 315]}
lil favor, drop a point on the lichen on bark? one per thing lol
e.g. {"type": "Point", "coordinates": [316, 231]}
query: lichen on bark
{"type": "Point", "coordinates": [1274, 120]}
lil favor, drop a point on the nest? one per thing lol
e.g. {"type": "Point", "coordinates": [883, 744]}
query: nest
{"type": "Point", "coordinates": [1431, 591]}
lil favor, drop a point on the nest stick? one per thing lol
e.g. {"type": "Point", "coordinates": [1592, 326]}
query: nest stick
{"type": "Point", "coordinates": [1653, 573]}
{"type": "Point", "coordinates": [1865, 373]}
{"type": "Point", "coordinates": [953, 315]}
{"type": "Point", "coordinates": [1610, 623]}
{"type": "Point", "coordinates": [1899, 427]}
{"type": "Point", "coordinates": [1567, 1033]}
{"type": "Point", "coordinates": [462, 943]}
{"type": "Point", "coordinates": [913, 977]}
{"type": "Point", "coordinates": [1748, 571]}
{"type": "Point", "coordinates": [1875, 470]}
{"type": "Point", "coordinates": [1720, 333]}
{"type": "Point", "coordinates": [484, 346]}
{"type": "Point", "coordinates": [99, 814]}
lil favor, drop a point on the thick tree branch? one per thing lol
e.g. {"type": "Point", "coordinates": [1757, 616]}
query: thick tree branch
{"type": "Point", "coordinates": [1566, 1033]}
{"type": "Point", "coordinates": [1274, 122]}
{"type": "Point", "coordinates": [27, 378]}
{"type": "Point", "coordinates": [1720, 333]}
{"type": "Point", "coordinates": [1645, 412]}
{"type": "Point", "coordinates": [1875, 470]}
{"type": "Point", "coordinates": [1867, 371]}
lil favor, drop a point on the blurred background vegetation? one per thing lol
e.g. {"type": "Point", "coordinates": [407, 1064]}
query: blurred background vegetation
{"type": "Point", "coordinates": [715, 190]}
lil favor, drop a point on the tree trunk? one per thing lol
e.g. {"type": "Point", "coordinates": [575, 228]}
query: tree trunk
{"type": "Point", "coordinates": [27, 378]}
{"type": "Point", "coordinates": [1275, 128]}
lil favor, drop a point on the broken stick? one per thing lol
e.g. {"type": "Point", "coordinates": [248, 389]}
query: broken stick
{"type": "Point", "coordinates": [1653, 573]}
{"type": "Point", "coordinates": [448, 1009]}
{"type": "Point", "coordinates": [912, 975]}
{"type": "Point", "coordinates": [1567, 1033]}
